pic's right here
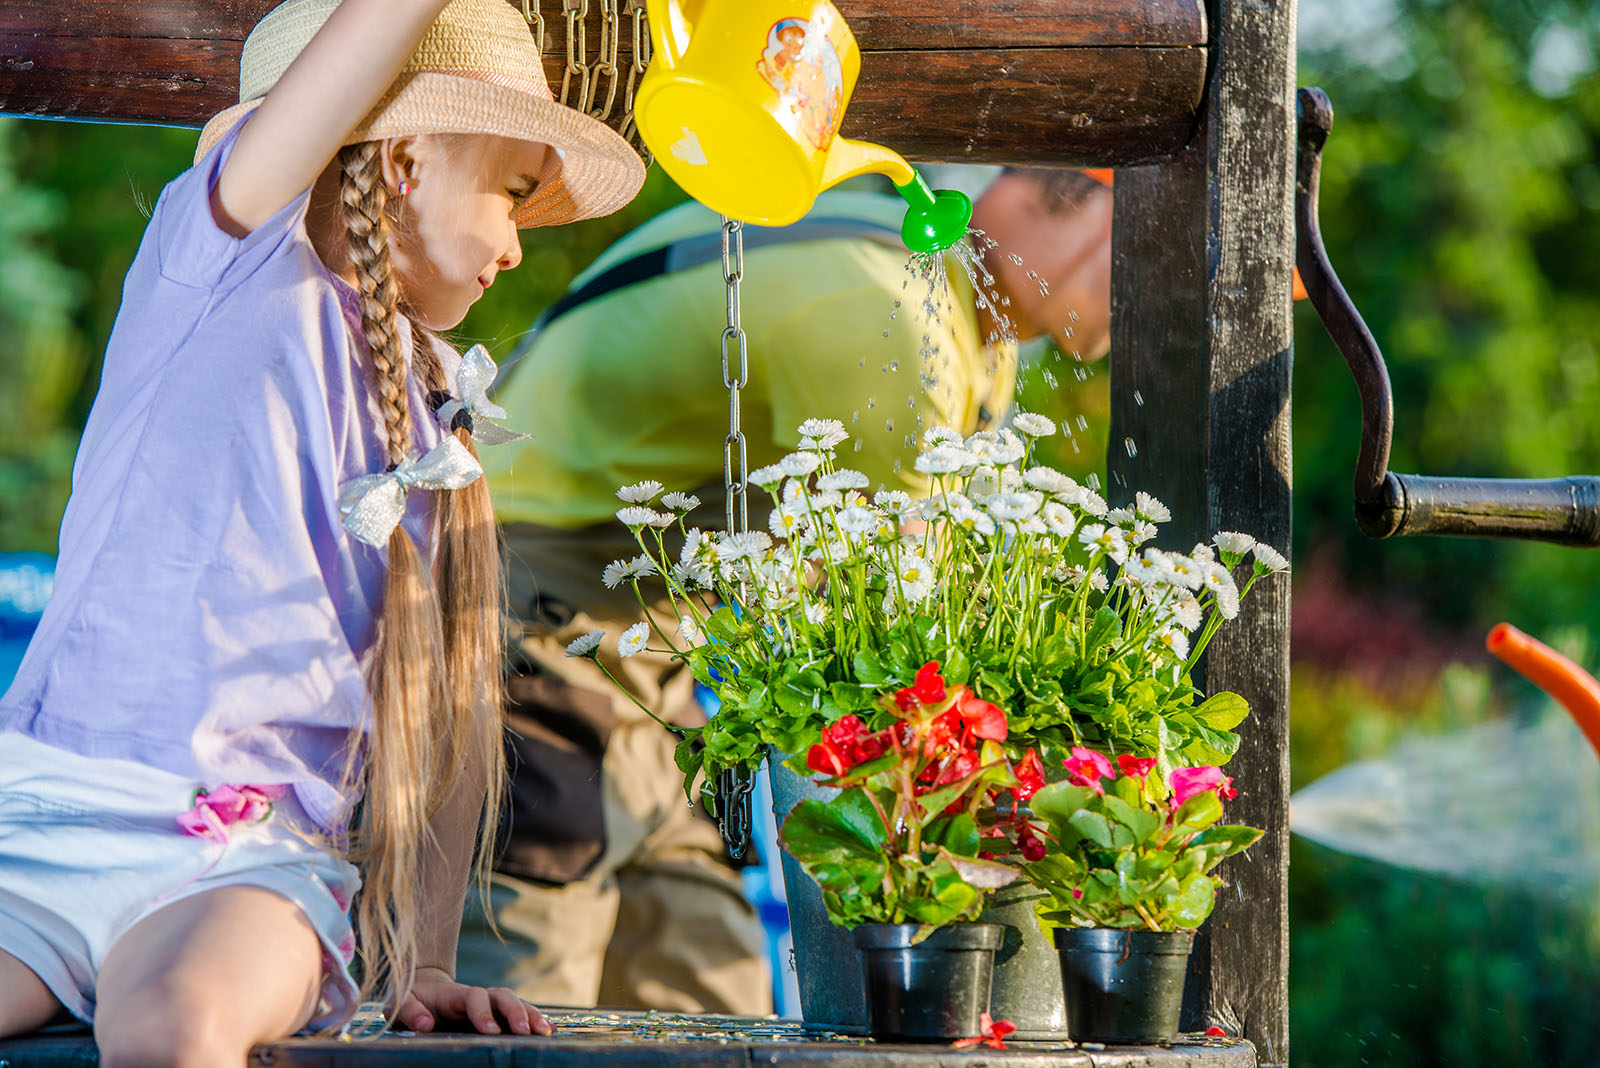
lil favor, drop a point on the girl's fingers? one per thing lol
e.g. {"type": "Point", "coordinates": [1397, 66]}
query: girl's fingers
{"type": "Point", "coordinates": [413, 1016]}
{"type": "Point", "coordinates": [520, 1017]}
{"type": "Point", "coordinates": [480, 1010]}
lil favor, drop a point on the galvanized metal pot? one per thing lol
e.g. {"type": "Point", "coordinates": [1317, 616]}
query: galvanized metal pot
{"type": "Point", "coordinates": [1026, 988]}
{"type": "Point", "coordinates": [929, 991]}
{"type": "Point", "coordinates": [1123, 987]}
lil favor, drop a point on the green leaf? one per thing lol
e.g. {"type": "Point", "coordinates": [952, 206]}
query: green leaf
{"type": "Point", "coordinates": [1092, 826]}
{"type": "Point", "coordinates": [723, 625]}
{"type": "Point", "coordinates": [984, 874]}
{"type": "Point", "coordinates": [958, 834]}
{"type": "Point", "coordinates": [1142, 824]}
{"type": "Point", "coordinates": [1225, 841]}
{"type": "Point", "coordinates": [1197, 813]}
{"type": "Point", "coordinates": [841, 828]}
{"type": "Point", "coordinates": [868, 670]}
{"type": "Point", "coordinates": [1058, 801]}
{"type": "Point", "coordinates": [1106, 630]}
{"type": "Point", "coordinates": [1223, 711]}
{"type": "Point", "coordinates": [1193, 902]}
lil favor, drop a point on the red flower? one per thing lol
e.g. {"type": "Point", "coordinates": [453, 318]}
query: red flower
{"type": "Point", "coordinates": [1215, 1030]}
{"type": "Point", "coordinates": [944, 732]}
{"type": "Point", "coordinates": [993, 1034]}
{"type": "Point", "coordinates": [1032, 848]}
{"type": "Point", "coordinates": [1189, 782]}
{"type": "Point", "coordinates": [983, 719]}
{"type": "Point", "coordinates": [1135, 767]}
{"type": "Point", "coordinates": [824, 759]}
{"type": "Point", "coordinates": [1030, 776]}
{"type": "Point", "coordinates": [926, 689]}
{"type": "Point", "coordinates": [1085, 767]}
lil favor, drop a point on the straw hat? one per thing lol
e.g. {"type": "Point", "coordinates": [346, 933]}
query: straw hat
{"type": "Point", "coordinates": [476, 70]}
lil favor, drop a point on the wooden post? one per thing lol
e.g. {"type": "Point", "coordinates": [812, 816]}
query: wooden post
{"type": "Point", "coordinates": [1202, 349]}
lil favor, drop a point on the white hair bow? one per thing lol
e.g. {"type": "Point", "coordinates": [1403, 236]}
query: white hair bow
{"type": "Point", "coordinates": [471, 405]}
{"type": "Point", "coordinates": [373, 505]}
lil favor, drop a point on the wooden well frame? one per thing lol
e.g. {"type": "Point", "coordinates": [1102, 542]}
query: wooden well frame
{"type": "Point", "coordinates": [1193, 101]}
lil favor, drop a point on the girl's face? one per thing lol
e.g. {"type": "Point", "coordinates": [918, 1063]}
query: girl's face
{"type": "Point", "coordinates": [453, 231]}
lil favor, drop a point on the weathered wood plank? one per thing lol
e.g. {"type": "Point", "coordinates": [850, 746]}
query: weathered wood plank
{"type": "Point", "coordinates": [877, 24]}
{"type": "Point", "coordinates": [1077, 106]}
{"type": "Point", "coordinates": [1203, 250]}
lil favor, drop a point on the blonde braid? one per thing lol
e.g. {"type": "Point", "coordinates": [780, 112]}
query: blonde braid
{"type": "Point", "coordinates": [365, 200]}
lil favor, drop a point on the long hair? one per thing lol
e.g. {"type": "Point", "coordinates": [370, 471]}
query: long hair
{"type": "Point", "coordinates": [434, 674]}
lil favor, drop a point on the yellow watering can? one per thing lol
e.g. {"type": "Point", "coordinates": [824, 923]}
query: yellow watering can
{"type": "Point", "coordinates": [742, 104]}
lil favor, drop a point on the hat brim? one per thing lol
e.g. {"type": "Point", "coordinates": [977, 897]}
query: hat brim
{"type": "Point", "coordinates": [594, 172]}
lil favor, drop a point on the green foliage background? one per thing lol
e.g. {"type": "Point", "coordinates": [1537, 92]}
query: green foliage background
{"type": "Point", "coordinates": [1461, 204]}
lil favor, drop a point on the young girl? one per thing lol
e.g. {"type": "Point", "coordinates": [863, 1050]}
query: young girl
{"type": "Point", "coordinates": [272, 656]}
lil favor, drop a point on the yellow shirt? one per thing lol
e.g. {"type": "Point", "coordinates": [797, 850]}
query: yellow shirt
{"type": "Point", "coordinates": [629, 385]}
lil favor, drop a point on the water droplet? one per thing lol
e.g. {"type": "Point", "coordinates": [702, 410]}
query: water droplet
{"type": "Point", "coordinates": [896, 465]}
{"type": "Point", "coordinates": [886, 333]}
{"type": "Point", "coordinates": [888, 424]}
{"type": "Point", "coordinates": [857, 445]}
{"type": "Point", "coordinates": [1081, 374]}
{"type": "Point", "coordinates": [911, 402]}
{"type": "Point", "coordinates": [1049, 379]}
{"type": "Point", "coordinates": [897, 304]}
{"type": "Point", "coordinates": [855, 416]}
{"type": "Point", "coordinates": [872, 402]}
{"type": "Point", "coordinates": [1082, 421]}
{"type": "Point", "coordinates": [1016, 259]}
{"type": "Point", "coordinates": [1133, 450]}
{"type": "Point", "coordinates": [1033, 276]}
{"type": "Point", "coordinates": [1075, 446]}
{"type": "Point", "coordinates": [1073, 315]}
{"type": "Point", "coordinates": [1138, 398]}
{"type": "Point", "coordinates": [1093, 481]}
{"type": "Point", "coordinates": [861, 362]}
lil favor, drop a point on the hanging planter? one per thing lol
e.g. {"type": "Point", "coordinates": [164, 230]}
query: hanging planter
{"type": "Point", "coordinates": [1123, 988]}
{"type": "Point", "coordinates": [928, 991]}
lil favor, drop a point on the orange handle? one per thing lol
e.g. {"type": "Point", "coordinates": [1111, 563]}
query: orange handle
{"type": "Point", "coordinates": [1553, 673]}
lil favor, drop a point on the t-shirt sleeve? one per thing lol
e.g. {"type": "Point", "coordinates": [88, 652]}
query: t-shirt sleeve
{"type": "Point", "coordinates": [195, 251]}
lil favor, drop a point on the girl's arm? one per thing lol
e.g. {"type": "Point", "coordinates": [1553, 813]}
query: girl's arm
{"type": "Point", "coordinates": [306, 116]}
{"type": "Point", "coordinates": [434, 993]}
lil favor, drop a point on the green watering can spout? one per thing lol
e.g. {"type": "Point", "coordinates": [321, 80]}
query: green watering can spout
{"type": "Point", "coordinates": [934, 221]}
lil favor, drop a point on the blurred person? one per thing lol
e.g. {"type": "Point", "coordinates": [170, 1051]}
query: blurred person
{"type": "Point", "coordinates": [609, 888]}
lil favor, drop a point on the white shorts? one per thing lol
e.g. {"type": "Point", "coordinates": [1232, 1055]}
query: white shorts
{"type": "Point", "coordinates": [89, 847]}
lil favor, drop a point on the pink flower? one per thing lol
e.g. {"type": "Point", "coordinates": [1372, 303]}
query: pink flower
{"type": "Point", "coordinates": [1135, 767]}
{"type": "Point", "coordinates": [1190, 782]}
{"type": "Point", "coordinates": [1085, 767]}
{"type": "Point", "coordinates": [214, 811]}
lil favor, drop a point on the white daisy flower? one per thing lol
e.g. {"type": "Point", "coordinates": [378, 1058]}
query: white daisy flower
{"type": "Point", "coordinates": [1122, 517]}
{"type": "Point", "coordinates": [1186, 572]}
{"type": "Point", "coordinates": [820, 428]}
{"type": "Point", "coordinates": [751, 544]}
{"type": "Point", "coordinates": [1099, 582]}
{"type": "Point", "coordinates": [1268, 560]}
{"type": "Point", "coordinates": [1058, 519]}
{"type": "Point", "coordinates": [632, 640]}
{"type": "Point", "coordinates": [639, 492]}
{"type": "Point", "coordinates": [842, 480]}
{"type": "Point", "coordinates": [1202, 554]}
{"type": "Point", "coordinates": [896, 504]}
{"type": "Point", "coordinates": [915, 576]}
{"type": "Point", "coordinates": [1219, 581]}
{"type": "Point", "coordinates": [1232, 543]}
{"type": "Point", "coordinates": [680, 502]}
{"type": "Point", "coordinates": [1035, 426]}
{"type": "Point", "coordinates": [1071, 574]}
{"type": "Point", "coordinates": [692, 576]}
{"type": "Point", "coordinates": [799, 464]}
{"type": "Point", "coordinates": [1099, 538]}
{"type": "Point", "coordinates": [824, 499]}
{"type": "Point", "coordinates": [1174, 641]}
{"type": "Point", "coordinates": [766, 477]}
{"type": "Point", "coordinates": [585, 645]}
{"type": "Point", "coordinates": [1141, 532]}
{"type": "Point", "coordinates": [970, 518]}
{"type": "Point", "coordinates": [788, 521]}
{"type": "Point", "coordinates": [689, 630]}
{"type": "Point", "coordinates": [939, 435]}
{"type": "Point", "coordinates": [1151, 568]}
{"type": "Point", "coordinates": [992, 480]}
{"type": "Point", "coordinates": [619, 571]}
{"type": "Point", "coordinates": [1014, 507]}
{"type": "Point", "coordinates": [1031, 525]}
{"type": "Point", "coordinates": [1093, 503]}
{"type": "Point", "coordinates": [635, 517]}
{"type": "Point", "coordinates": [944, 460]}
{"type": "Point", "coordinates": [1185, 611]}
{"type": "Point", "coordinates": [816, 611]}
{"type": "Point", "coordinates": [854, 520]}
{"type": "Point", "coordinates": [996, 447]}
{"type": "Point", "coordinates": [1049, 480]}
{"type": "Point", "coordinates": [930, 509]}
{"type": "Point", "coordinates": [1150, 508]}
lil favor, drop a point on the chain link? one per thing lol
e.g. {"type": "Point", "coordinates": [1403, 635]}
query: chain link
{"type": "Point", "coordinates": [531, 15]}
{"type": "Point", "coordinates": [577, 52]}
{"type": "Point", "coordinates": [610, 38]}
{"type": "Point", "coordinates": [733, 788]}
{"type": "Point", "coordinates": [641, 59]}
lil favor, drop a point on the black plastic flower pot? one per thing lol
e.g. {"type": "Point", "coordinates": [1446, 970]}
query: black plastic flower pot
{"type": "Point", "coordinates": [1123, 987]}
{"type": "Point", "coordinates": [932, 991]}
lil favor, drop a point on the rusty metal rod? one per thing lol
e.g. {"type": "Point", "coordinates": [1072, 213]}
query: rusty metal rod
{"type": "Point", "coordinates": [1565, 511]}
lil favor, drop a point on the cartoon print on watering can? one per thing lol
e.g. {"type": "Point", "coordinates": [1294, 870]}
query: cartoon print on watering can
{"type": "Point", "coordinates": [802, 65]}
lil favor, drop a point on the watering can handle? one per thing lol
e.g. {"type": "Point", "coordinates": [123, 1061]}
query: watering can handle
{"type": "Point", "coordinates": [1553, 673]}
{"type": "Point", "coordinates": [671, 26]}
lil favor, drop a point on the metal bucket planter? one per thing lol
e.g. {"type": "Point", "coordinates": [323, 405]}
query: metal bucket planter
{"type": "Point", "coordinates": [1123, 987]}
{"type": "Point", "coordinates": [929, 991]}
{"type": "Point", "coordinates": [1027, 971]}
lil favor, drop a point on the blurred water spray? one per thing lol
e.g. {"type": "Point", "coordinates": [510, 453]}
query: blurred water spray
{"type": "Point", "coordinates": [1509, 801]}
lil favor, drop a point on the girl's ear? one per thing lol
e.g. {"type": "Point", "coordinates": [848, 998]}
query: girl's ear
{"type": "Point", "coordinates": [399, 162]}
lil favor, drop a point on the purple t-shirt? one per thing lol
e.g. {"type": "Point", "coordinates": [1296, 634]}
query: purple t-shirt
{"type": "Point", "coordinates": [210, 615]}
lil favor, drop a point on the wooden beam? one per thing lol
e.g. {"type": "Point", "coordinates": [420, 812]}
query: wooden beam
{"type": "Point", "coordinates": [1108, 83]}
{"type": "Point", "coordinates": [1203, 247]}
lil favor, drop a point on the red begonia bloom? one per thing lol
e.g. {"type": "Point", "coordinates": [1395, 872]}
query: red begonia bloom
{"type": "Point", "coordinates": [824, 759]}
{"type": "Point", "coordinates": [1085, 767]}
{"type": "Point", "coordinates": [1189, 782]}
{"type": "Point", "coordinates": [983, 719]}
{"type": "Point", "coordinates": [1030, 776]}
{"type": "Point", "coordinates": [926, 689]}
{"type": "Point", "coordinates": [993, 1033]}
{"type": "Point", "coordinates": [1135, 767]}
{"type": "Point", "coordinates": [1032, 848]}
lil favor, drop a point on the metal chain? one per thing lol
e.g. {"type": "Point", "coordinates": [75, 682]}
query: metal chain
{"type": "Point", "coordinates": [577, 52]}
{"type": "Point", "coordinates": [610, 38]}
{"type": "Point", "coordinates": [641, 59]}
{"type": "Point", "coordinates": [530, 14]}
{"type": "Point", "coordinates": [733, 788]}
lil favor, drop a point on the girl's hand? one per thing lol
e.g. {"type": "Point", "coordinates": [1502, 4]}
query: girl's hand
{"type": "Point", "coordinates": [434, 996]}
